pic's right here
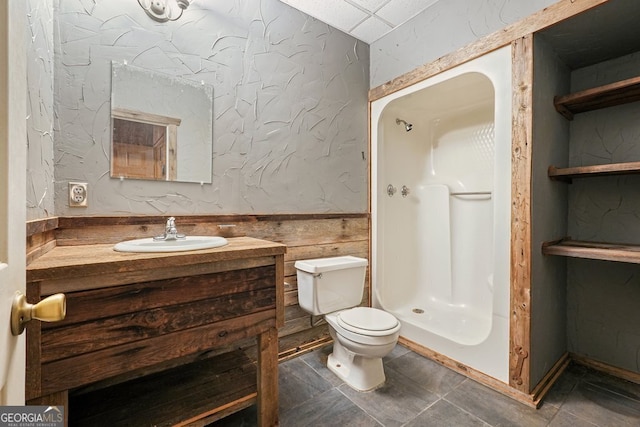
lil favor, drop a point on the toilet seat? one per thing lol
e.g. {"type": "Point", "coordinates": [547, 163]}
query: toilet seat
{"type": "Point", "coordinates": [368, 321]}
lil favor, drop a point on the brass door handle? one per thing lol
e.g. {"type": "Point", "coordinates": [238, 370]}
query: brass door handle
{"type": "Point", "coordinates": [50, 309]}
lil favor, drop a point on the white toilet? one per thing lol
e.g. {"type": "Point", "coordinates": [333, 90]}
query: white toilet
{"type": "Point", "coordinates": [362, 336]}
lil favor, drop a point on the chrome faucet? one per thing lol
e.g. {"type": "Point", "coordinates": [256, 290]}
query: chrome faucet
{"type": "Point", "coordinates": [170, 231]}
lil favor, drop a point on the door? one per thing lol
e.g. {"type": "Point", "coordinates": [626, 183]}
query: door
{"type": "Point", "coordinates": [13, 168]}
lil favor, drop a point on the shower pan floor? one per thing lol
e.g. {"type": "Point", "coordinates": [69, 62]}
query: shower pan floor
{"type": "Point", "coordinates": [457, 323]}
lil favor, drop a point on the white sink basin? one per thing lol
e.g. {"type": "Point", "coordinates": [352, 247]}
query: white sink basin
{"type": "Point", "coordinates": [190, 243]}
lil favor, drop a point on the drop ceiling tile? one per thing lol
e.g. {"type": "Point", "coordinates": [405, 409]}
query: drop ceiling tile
{"type": "Point", "coordinates": [336, 13]}
{"type": "Point", "coordinates": [367, 20]}
{"type": "Point", "coordinates": [398, 11]}
{"type": "Point", "coordinates": [371, 30]}
{"type": "Point", "coordinates": [370, 5]}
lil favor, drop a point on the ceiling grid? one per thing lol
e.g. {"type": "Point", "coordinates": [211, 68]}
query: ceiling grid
{"type": "Point", "coordinates": [366, 20]}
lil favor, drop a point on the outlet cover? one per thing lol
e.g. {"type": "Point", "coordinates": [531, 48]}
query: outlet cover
{"type": "Point", "coordinates": [78, 194]}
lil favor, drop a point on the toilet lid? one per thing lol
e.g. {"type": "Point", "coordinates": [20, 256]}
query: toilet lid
{"type": "Point", "coordinates": [367, 320]}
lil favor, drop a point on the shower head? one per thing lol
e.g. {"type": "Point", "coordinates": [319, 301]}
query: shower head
{"type": "Point", "coordinates": [407, 126]}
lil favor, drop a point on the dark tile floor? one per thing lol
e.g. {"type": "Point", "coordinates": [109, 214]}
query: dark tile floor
{"type": "Point", "coordinates": [419, 392]}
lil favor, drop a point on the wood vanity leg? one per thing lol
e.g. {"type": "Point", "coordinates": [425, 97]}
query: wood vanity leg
{"type": "Point", "coordinates": [268, 378]}
{"type": "Point", "coordinates": [60, 398]}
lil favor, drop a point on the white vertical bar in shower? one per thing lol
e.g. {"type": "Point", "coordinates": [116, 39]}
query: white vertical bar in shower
{"type": "Point", "coordinates": [434, 265]}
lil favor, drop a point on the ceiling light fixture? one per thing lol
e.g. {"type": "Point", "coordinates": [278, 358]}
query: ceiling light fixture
{"type": "Point", "coordinates": [164, 10]}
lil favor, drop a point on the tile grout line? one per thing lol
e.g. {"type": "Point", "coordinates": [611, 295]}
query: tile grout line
{"type": "Point", "coordinates": [358, 406]}
{"type": "Point", "coordinates": [424, 410]}
{"type": "Point", "coordinates": [444, 397]}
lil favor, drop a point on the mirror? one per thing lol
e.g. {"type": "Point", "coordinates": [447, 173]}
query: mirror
{"type": "Point", "coordinates": [161, 126]}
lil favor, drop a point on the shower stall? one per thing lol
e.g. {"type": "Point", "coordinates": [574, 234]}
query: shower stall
{"type": "Point", "coordinates": [440, 200]}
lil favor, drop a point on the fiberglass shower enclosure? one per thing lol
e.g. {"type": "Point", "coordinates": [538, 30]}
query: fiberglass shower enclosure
{"type": "Point", "coordinates": [441, 182]}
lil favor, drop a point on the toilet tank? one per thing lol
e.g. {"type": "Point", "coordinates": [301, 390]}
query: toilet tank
{"type": "Point", "coordinates": [326, 285]}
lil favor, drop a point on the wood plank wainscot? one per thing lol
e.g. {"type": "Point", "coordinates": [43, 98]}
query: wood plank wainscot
{"type": "Point", "coordinates": [148, 337]}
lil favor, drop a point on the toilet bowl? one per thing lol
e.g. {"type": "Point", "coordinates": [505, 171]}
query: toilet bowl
{"type": "Point", "coordinates": [358, 350]}
{"type": "Point", "coordinates": [362, 336]}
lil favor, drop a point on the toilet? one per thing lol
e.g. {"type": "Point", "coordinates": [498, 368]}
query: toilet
{"type": "Point", "coordinates": [362, 336]}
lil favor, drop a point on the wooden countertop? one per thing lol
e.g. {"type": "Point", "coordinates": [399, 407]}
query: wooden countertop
{"type": "Point", "coordinates": [79, 262]}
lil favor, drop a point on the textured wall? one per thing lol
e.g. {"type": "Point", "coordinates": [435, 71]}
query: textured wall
{"type": "Point", "coordinates": [290, 110]}
{"type": "Point", "coordinates": [440, 29]}
{"type": "Point", "coordinates": [40, 169]}
{"type": "Point", "coordinates": [549, 210]}
{"type": "Point", "coordinates": [603, 315]}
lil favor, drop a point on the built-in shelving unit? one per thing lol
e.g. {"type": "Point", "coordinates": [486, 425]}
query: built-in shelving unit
{"type": "Point", "coordinates": [610, 95]}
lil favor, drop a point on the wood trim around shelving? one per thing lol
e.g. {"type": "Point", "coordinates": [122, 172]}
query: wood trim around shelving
{"type": "Point", "coordinates": [600, 366]}
{"type": "Point", "coordinates": [619, 252]}
{"type": "Point", "coordinates": [610, 95]}
{"type": "Point", "coordinates": [566, 174]}
{"type": "Point", "coordinates": [520, 256]}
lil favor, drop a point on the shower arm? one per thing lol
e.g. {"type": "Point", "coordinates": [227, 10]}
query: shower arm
{"type": "Point", "coordinates": [407, 126]}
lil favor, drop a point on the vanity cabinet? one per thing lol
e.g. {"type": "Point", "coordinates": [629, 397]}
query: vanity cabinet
{"type": "Point", "coordinates": [148, 338]}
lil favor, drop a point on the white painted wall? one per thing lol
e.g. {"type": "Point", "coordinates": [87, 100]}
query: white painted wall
{"type": "Point", "coordinates": [290, 107]}
{"type": "Point", "coordinates": [440, 29]}
{"type": "Point", "coordinates": [549, 209]}
{"type": "Point", "coordinates": [40, 114]}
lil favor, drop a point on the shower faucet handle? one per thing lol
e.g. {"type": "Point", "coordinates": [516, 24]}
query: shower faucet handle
{"type": "Point", "coordinates": [391, 190]}
{"type": "Point", "coordinates": [405, 191]}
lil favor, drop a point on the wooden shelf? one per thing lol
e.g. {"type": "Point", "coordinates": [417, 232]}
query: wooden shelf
{"type": "Point", "coordinates": [198, 393]}
{"type": "Point", "coordinates": [619, 252]}
{"type": "Point", "coordinates": [600, 97]}
{"type": "Point", "coordinates": [566, 174]}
